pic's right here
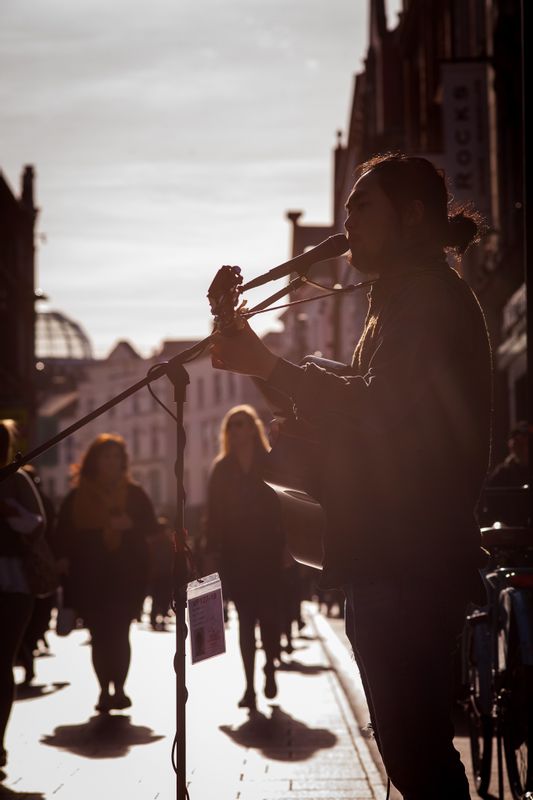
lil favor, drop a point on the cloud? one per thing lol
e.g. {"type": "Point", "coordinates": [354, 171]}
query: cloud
{"type": "Point", "coordinates": [168, 138]}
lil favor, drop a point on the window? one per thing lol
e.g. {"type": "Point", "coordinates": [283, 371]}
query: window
{"type": "Point", "coordinates": [69, 449]}
{"type": "Point", "coordinates": [215, 434]}
{"type": "Point", "coordinates": [217, 387]}
{"type": "Point", "coordinates": [200, 394]}
{"type": "Point", "coordinates": [155, 441]}
{"type": "Point", "coordinates": [205, 430]}
{"type": "Point", "coordinates": [155, 487]}
{"type": "Point", "coordinates": [231, 385]}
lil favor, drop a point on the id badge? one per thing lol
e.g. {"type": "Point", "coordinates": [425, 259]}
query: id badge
{"type": "Point", "coordinates": [206, 618]}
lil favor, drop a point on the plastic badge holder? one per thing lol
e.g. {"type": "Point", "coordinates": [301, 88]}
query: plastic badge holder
{"type": "Point", "coordinates": [206, 618]}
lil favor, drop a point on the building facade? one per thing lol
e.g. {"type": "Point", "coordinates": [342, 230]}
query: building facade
{"type": "Point", "coordinates": [17, 305]}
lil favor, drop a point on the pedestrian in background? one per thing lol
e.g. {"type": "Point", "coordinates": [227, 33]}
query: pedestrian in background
{"type": "Point", "coordinates": [506, 496]}
{"type": "Point", "coordinates": [244, 533]}
{"type": "Point", "coordinates": [38, 626]}
{"type": "Point", "coordinates": [102, 531]}
{"type": "Point", "coordinates": [161, 570]}
{"type": "Point", "coordinates": [21, 519]}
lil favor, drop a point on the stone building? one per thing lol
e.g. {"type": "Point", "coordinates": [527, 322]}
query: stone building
{"type": "Point", "coordinates": [17, 298]}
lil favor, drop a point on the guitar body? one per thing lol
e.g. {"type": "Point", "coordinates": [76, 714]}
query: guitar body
{"type": "Point", "coordinates": [294, 472]}
{"type": "Point", "coordinates": [304, 523]}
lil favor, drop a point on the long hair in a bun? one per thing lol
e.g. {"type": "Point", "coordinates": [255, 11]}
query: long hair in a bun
{"type": "Point", "coordinates": [407, 178]}
{"type": "Point", "coordinates": [465, 227]}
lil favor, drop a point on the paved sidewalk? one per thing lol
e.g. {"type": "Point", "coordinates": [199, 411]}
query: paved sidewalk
{"type": "Point", "coordinates": [304, 745]}
{"type": "Point", "coordinates": [338, 648]}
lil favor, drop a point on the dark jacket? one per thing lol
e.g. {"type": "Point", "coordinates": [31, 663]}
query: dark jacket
{"type": "Point", "coordinates": [98, 577]}
{"type": "Point", "coordinates": [406, 433]}
{"type": "Point", "coordinates": [243, 526]}
{"type": "Point", "coordinates": [19, 487]}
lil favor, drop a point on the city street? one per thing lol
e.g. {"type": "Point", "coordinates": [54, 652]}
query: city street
{"type": "Point", "coordinates": [355, 396]}
{"type": "Point", "coordinates": [304, 745]}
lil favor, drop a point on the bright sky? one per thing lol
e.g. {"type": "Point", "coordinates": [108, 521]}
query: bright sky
{"type": "Point", "coordinates": [169, 138]}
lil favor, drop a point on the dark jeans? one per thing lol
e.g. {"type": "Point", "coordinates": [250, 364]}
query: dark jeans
{"type": "Point", "coordinates": [251, 608]}
{"type": "Point", "coordinates": [161, 598]}
{"type": "Point", "coordinates": [110, 640]}
{"type": "Point", "coordinates": [15, 613]}
{"type": "Point", "coordinates": [35, 630]}
{"type": "Point", "coordinates": [403, 633]}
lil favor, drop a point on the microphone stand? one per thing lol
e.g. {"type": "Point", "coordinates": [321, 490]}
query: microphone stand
{"type": "Point", "coordinates": [178, 376]}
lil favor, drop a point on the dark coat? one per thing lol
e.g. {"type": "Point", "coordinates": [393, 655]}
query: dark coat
{"type": "Point", "coordinates": [98, 577]}
{"type": "Point", "coordinates": [244, 527]}
{"type": "Point", "coordinates": [406, 432]}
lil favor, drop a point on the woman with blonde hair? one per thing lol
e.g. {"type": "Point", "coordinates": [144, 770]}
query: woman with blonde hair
{"type": "Point", "coordinates": [245, 535]}
{"type": "Point", "coordinates": [102, 530]}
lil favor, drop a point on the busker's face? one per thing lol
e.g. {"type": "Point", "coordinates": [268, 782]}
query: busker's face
{"type": "Point", "coordinates": [372, 226]}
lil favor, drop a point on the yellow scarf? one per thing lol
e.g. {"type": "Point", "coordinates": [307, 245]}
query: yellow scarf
{"type": "Point", "coordinates": [94, 505]}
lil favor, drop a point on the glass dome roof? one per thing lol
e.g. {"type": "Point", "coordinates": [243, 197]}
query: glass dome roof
{"type": "Point", "coordinates": [58, 337]}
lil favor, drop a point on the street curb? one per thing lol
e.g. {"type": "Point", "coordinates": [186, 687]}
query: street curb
{"type": "Point", "coordinates": [357, 718]}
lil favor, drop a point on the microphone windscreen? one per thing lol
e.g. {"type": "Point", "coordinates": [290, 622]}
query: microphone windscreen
{"type": "Point", "coordinates": [331, 247]}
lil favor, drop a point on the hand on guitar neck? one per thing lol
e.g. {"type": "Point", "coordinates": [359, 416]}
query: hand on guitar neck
{"type": "Point", "coordinates": [242, 352]}
{"type": "Point", "coordinates": [234, 345]}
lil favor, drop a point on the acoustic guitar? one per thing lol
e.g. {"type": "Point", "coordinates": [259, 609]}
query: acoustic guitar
{"type": "Point", "coordinates": [294, 462]}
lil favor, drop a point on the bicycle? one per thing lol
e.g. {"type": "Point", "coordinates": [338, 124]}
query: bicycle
{"type": "Point", "coordinates": [497, 660]}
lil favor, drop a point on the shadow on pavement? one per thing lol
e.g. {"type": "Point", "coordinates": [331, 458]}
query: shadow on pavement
{"type": "Point", "coordinates": [102, 736]}
{"type": "Point", "coordinates": [307, 637]}
{"type": "Point", "coordinates": [280, 736]}
{"type": "Point", "coordinates": [304, 669]}
{"type": "Point", "coordinates": [25, 691]}
{"type": "Point", "coordinates": [7, 794]}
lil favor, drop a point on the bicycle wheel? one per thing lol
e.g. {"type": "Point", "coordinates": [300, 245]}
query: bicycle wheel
{"type": "Point", "coordinates": [480, 732]}
{"type": "Point", "coordinates": [517, 720]}
{"type": "Point", "coordinates": [476, 654]}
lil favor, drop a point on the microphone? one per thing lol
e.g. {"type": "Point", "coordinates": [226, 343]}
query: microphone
{"type": "Point", "coordinates": [331, 247]}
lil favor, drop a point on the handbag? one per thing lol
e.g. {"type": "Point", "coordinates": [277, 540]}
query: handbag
{"type": "Point", "coordinates": [37, 558]}
{"type": "Point", "coordinates": [40, 568]}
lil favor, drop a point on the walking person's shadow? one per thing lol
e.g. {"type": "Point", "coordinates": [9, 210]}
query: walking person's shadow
{"type": "Point", "coordinates": [280, 736]}
{"type": "Point", "coordinates": [11, 794]}
{"type": "Point", "coordinates": [102, 736]}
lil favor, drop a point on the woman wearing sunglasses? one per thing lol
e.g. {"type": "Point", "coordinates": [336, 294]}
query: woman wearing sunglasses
{"type": "Point", "coordinates": [244, 534]}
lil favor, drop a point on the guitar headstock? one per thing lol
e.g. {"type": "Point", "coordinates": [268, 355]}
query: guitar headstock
{"type": "Point", "coordinates": [224, 295]}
